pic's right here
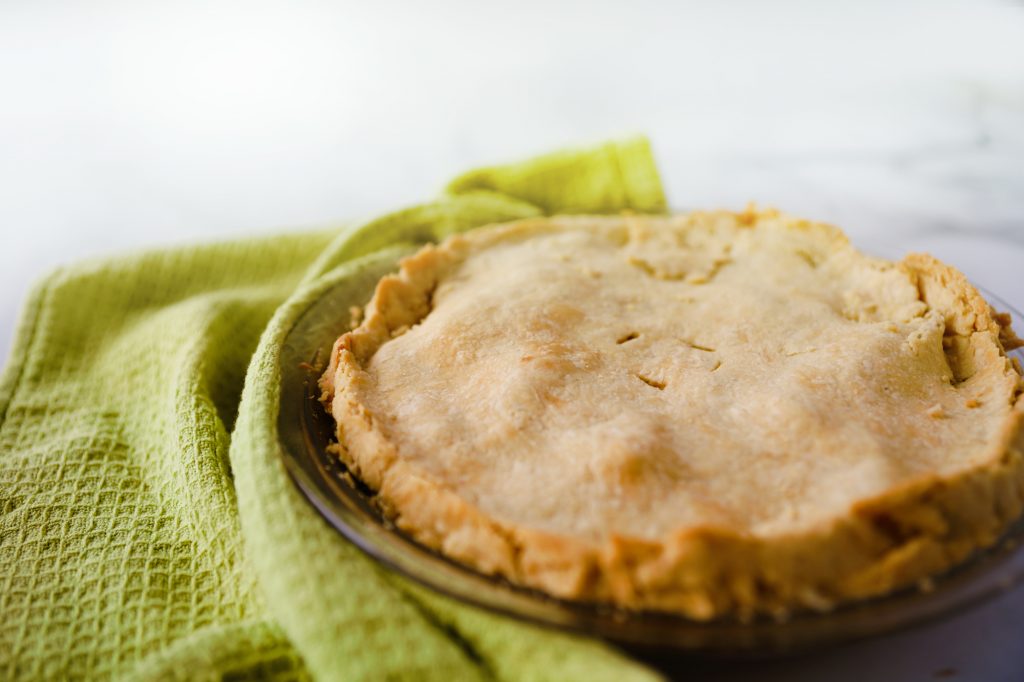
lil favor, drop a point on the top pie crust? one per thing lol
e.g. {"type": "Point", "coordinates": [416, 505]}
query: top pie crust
{"type": "Point", "coordinates": [712, 414]}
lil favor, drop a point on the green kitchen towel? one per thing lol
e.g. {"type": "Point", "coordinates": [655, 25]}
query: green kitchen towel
{"type": "Point", "coordinates": [148, 529]}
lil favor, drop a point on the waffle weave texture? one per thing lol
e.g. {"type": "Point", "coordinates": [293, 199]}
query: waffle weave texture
{"type": "Point", "coordinates": [148, 528]}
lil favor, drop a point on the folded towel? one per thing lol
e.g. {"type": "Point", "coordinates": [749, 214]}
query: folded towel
{"type": "Point", "coordinates": [148, 528]}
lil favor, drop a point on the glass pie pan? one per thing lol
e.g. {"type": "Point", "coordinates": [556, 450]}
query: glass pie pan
{"type": "Point", "coordinates": [305, 429]}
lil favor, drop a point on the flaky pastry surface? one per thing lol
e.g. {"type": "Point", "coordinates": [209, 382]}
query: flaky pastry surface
{"type": "Point", "coordinates": [712, 414]}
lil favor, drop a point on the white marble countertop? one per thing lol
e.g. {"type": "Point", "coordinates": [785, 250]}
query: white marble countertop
{"type": "Point", "coordinates": [132, 124]}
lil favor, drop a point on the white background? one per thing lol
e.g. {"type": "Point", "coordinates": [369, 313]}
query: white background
{"type": "Point", "coordinates": [130, 124]}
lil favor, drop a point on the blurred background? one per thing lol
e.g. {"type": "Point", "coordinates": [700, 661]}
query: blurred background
{"type": "Point", "coordinates": [136, 123]}
{"type": "Point", "coordinates": [132, 124]}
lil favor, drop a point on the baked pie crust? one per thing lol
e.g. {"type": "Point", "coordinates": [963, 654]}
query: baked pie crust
{"type": "Point", "coordinates": [714, 414]}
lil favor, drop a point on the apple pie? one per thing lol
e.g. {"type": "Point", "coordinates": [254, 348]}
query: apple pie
{"type": "Point", "coordinates": [715, 414]}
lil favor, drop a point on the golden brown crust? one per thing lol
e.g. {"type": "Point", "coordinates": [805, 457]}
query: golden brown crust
{"type": "Point", "coordinates": [912, 530]}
